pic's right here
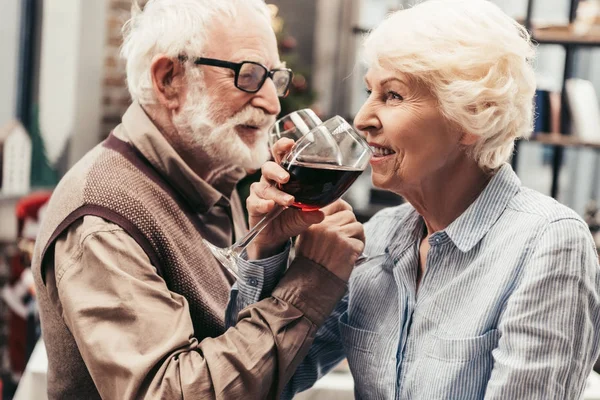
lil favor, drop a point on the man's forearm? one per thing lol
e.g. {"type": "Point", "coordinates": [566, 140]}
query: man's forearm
{"type": "Point", "coordinates": [257, 357]}
{"type": "Point", "coordinates": [136, 336]}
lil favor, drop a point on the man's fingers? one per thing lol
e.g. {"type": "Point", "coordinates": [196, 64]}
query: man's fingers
{"type": "Point", "coordinates": [336, 206]}
{"type": "Point", "coordinates": [354, 230]}
{"type": "Point", "coordinates": [273, 172]}
{"type": "Point", "coordinates": [341, 217]}
{"type": "Point", "coordinates": [258, 207]}
{"type": "Point", "coordinates": [312, 217]}
{"type": "Point", "coordinates": [281, 148]}
{"type": "Point", "coordinates": [298, 221]}
{"type": "Point", "coordinates": [268, 192]}
{"type": "Point", "coordinates": [357, 245]}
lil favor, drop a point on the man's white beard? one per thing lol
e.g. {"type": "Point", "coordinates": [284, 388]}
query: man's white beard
{"type": "Point", "coordinates": [221, 142]}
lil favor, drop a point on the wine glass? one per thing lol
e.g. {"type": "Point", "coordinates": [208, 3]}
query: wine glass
{"type": "Point", "coordinates": [322, 165]}
{"type": "Point", "coordinates": [294, 125]}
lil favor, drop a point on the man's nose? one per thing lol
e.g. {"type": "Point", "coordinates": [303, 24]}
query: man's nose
{"type": "Point", "coordinates": [266, 98]}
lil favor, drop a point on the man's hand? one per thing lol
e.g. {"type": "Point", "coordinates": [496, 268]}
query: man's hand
{"type": "Point", "coordinates": [336, 242]}
{"type": "Point", "coordinates": [331, 237]}
{"type": "Point", "coordinates": [264, 196]}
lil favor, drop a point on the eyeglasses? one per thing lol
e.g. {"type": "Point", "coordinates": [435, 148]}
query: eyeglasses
{"type": "Point", "coordinates": [250, 76]}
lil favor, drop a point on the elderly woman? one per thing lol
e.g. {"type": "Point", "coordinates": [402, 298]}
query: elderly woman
{"type": "Point", "coordinates": [489, 290]}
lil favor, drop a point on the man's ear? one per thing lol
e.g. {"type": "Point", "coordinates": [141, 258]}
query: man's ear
{"type": "Point", "coordinates": [168, 81]}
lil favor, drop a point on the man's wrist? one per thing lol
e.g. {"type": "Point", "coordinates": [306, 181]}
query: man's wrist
{"type": "Point", "coordinates": [311, 288]}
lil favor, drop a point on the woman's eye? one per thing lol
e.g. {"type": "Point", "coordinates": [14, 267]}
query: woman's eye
{"type": "Point", "coordinates": [391, 95]}
{"type": "Point", "coordinates": [368, 92]}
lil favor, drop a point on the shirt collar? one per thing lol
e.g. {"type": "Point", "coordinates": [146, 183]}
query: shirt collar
{"type": "Point", "coordinates": [409, 229]}
{"type": "Point", "coordinates": [141, 132]}
{"type": "Point", "coordinates": [468, 229]}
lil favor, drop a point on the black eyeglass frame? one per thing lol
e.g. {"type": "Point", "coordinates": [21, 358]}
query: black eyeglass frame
{"type": "Point", "coordinates": [237, 67]}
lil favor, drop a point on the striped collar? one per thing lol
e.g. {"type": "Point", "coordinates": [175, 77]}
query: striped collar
{"type": "Point", "coordinates": [468, 229]}
{"type": "Point", "coordinates": [471, 226]}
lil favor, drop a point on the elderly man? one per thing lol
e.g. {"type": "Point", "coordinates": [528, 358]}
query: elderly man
{"type": "Point", "coordinates": [133, 304]}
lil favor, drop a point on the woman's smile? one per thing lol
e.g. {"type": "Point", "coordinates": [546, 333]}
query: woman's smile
{"type": "Point", "coordinates": [381, 153]}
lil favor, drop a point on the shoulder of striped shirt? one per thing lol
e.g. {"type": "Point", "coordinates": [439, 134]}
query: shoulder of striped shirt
{"type": "Point", "coordinates": [529, 201]}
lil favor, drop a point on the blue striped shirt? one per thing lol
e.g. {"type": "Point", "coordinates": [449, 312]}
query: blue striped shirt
{"type": "Point", "coordinates": [508, 306]}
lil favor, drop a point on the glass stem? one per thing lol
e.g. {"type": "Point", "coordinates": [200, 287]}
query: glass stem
{"type": "Point", "coordinates": [238, 247]}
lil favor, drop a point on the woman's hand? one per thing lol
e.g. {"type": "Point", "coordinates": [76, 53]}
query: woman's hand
{"type": "Point", "coordinates": [336, 242]}
{"type": "Point", "coordinates": [264, 196]}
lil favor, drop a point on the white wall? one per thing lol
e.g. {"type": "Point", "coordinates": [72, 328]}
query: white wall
{"type": "Point", "coordinates": [370, 14]}
{"type": "Point", "coordinates": [334, 54]}
{"type": "Point", "coordinates": [10, 19]}
{"type": "Point", "coordinates": [73, 39]}
{"type": "Point", "coordinates": [326, 52]}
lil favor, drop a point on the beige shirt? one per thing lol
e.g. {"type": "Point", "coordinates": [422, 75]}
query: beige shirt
{"type": "Point", "coordinates": [136, 336]}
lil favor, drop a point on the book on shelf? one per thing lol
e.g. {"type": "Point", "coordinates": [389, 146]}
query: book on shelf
{"type": "Point", "coordinates": [584, 110]}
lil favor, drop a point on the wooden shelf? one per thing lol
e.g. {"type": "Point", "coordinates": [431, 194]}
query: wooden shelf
{"type": "Point", "coordinates": [561, 141]}
{"type": "Point", "coordinates": [564, 35]}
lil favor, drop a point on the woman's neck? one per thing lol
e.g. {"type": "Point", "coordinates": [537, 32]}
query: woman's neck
{"type": "Point", "coordinates": [443, 198]}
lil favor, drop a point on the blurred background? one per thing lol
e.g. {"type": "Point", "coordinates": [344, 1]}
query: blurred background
{"type": "Point", "coordinates": [62, 90]}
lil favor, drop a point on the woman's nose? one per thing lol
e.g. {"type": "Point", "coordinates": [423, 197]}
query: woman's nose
{"type": "Point", "coordinates": [366, 120]}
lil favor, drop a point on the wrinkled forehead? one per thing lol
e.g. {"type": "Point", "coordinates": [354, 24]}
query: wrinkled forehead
{"type": "Point", "coordinates": [247, 36]}
{"type": "Point", "coordinates": [380, 77]}
{"type": "Point", "coordinates": [378, 74]}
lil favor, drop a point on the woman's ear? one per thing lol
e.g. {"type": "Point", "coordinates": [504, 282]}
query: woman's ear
{"type": "Point", "coordinates": [168, 81]}
{"type": "Point", "coordinates": [469, 139]}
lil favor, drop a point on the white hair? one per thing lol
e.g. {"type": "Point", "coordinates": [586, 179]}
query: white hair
{"type": "Point", "coordinates": [477, 62]}
{"type": "Point", "coordinates": [173, 28]}
{"type": "Point", "coordinates": [220, 140]}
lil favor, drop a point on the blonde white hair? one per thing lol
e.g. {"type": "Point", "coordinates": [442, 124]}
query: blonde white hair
{"type": "Point", "coordinates": [173, 28]}
{"type": "Point", "coordinates": [477, 62]}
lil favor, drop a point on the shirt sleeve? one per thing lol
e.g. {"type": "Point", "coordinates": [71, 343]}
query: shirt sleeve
{"type": "Point", "coordinates": [549, 328]}
{"type": "Point", "coordinates": [257, 279]}
{"type": "Point", "coordinates": [136, 336]}
{"type": "Point", "coordinates": [326, 352]}
{"type": "Point", "coordinates": [327, 349]}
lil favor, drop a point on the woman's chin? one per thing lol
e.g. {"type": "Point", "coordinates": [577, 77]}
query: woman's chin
{"type": "Point", "coordinates": [381, 182]}
{"type": "Point", "coordinates": [390, 182]}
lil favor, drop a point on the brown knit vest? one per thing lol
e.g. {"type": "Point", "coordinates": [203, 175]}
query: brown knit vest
{"type": "Point", "coordinates": [115, 182]}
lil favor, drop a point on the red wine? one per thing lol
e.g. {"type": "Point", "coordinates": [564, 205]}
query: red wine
{"type": "Point", "coordinates": [316, 185]}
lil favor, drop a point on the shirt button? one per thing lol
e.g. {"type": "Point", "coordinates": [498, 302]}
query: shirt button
{"type": "Point", "coordinates": [253, 282]}
{"type": "Point", "coordinates": [437, 240]}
